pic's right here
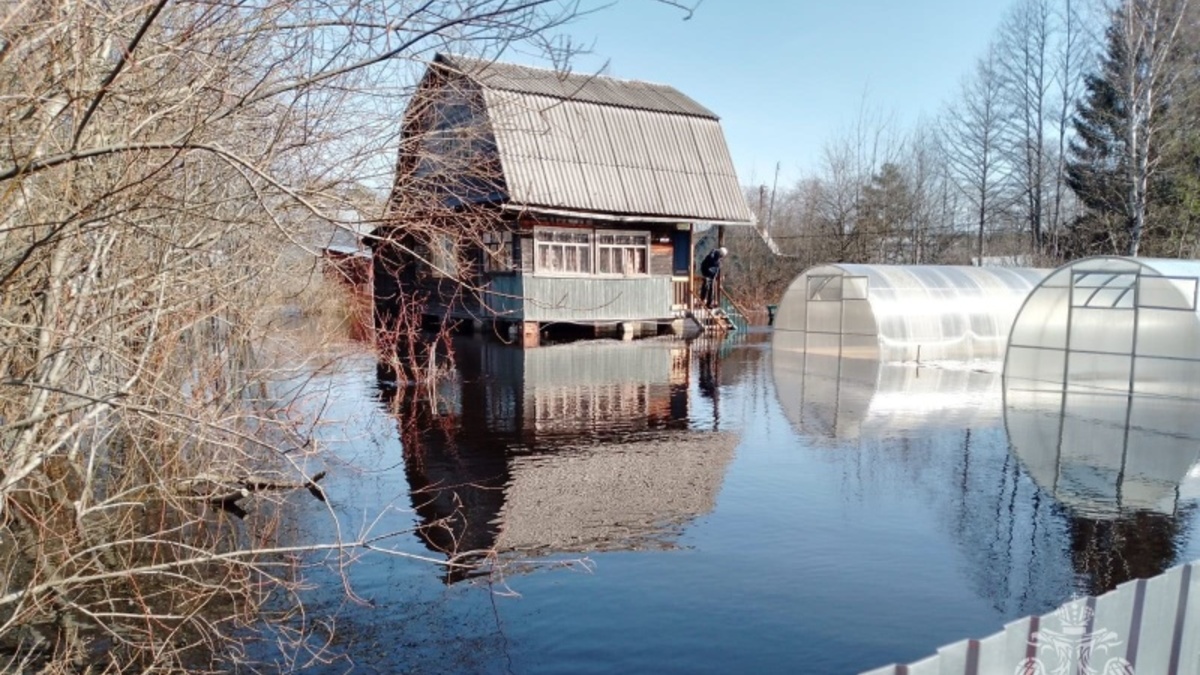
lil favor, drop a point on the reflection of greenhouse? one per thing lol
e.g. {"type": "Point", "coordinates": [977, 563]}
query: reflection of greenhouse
{"type": "Point", "coordinates": [899, 369]}
{"type": "Point", "coordinates": [1120, 483]}
{"type": "Point", "coordinates": [938, 432]}
{"type": "Point", "coordinates": [571, 448]}
{"type": "Point", "coordinates": [905, 313]}
{"type": "Point", "coordinates": [1102, 383]}
{"type": "Point", "coordinates": [1119, 463]}
{"type": "Point", "coordinates": [1111, 324]}
{"type": "Point", "coordinates": [830, 396]}
{"type": "Point", "coordinates": [1104, 455]}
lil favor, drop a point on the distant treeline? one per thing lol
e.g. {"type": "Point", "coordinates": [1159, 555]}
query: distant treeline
{"type": "Point", "coordinates": [1074, 134]}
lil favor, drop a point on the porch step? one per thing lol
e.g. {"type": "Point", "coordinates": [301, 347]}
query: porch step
{"type": "Point", "coordinates": [714, 320]}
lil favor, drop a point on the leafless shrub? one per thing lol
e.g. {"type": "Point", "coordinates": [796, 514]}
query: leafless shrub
{"type": "Point", "coordinates": [166, 167]}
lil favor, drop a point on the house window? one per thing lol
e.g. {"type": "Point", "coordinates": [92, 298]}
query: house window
{"type": "Point", "coordinates": [443, 256]}
{"type": "Point", "coordinates": [563, 251]}
{"type": "Point", "coordinates": [624, 253]}
{"type": "Point", "coordinates": [497, 252]}
{"type": "Point", "coordinates": [585, 251]}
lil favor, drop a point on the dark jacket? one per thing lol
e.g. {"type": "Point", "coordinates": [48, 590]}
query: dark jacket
{"type": "Point", "coordinates": [710, 267]}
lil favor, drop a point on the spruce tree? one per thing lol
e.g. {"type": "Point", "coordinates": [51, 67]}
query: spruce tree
{"type": "Point", "coordinates": [1098, 161]}
{"type": "Point", "coordinates": [1122, 124]}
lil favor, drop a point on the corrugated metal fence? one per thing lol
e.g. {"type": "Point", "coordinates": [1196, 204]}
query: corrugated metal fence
{"type": "Point", "coordinates": [1148, 626]}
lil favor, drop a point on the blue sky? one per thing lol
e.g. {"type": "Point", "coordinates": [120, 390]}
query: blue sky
{"type": "Point", "coordinates": [787, 76]}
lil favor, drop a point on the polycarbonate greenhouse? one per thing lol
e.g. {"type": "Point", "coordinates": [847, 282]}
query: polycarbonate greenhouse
{"type": "Point", "coordinates": [903, 313]}
{"type": "Point", "coordinates": [1113, 325]}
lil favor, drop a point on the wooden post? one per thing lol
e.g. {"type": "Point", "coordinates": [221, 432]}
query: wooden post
{"type": "Point", "coordinates": [691, 282]}
{"type": "Point", "coordinates": [719, 281]}
{"type": "Point", "coordinates": [530, 334]}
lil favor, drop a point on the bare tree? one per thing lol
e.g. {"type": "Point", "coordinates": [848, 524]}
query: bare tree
{"type": "Point", "coordinates": [971, 142]}
{"type": "Point", "coordinates": [1148, 32]}
{"type": "Point", "coordinates": [933, 198]}
{"type": "Point", "coordinates": [168, 170]}
{"type": "Point", "coordinates": [1074, 48]}
{"type": "Point", "coordinates": [1023, 62]}
{"type": "Point", "coordinates": [849, 163]}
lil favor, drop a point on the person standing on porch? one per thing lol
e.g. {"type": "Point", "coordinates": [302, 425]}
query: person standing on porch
{"type": "Point", "coordinates": [710, 270]}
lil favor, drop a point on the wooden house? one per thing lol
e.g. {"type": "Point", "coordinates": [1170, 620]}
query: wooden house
{"type": "Point", "coordinates": [539, 198]}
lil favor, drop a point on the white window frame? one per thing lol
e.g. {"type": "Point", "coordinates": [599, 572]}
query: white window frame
{"type": "Point", "coordinates": [597, 252]}
{"type": "Point", "coordinates": [560, 256]}
{"type": "Point", "coordinates": [631, 254]}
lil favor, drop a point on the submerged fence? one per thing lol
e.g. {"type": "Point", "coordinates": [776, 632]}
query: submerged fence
{"type": "Point", "coordinates": [1149, 626]}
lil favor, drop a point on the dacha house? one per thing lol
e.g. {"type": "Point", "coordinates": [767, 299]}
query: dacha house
{"type": "Point", "coordinates": [538, 198]}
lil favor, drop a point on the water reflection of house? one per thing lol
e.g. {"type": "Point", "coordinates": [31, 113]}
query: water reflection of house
{"type": "Point", "coordinates": [572, 448]}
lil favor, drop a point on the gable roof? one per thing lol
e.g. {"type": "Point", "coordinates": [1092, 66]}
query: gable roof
{"type": "Point", "coordinates": [598, 145]}
{"type": "Point", "coordinates": [585, 87]}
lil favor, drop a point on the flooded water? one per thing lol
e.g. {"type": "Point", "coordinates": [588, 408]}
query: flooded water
{"type": "Point", "coordinates": [660, 506]}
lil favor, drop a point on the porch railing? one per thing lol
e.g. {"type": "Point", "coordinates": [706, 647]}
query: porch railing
{"type": "Point", "coordinates": [682, 293]}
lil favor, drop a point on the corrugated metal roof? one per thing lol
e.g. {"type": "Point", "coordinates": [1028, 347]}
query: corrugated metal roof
{"type": "Point", "coordinates": [574, 154]}
{"type": "Point", "coordinates": [592, 144]}
{"type": "Point", "coordinates": [575, 86]}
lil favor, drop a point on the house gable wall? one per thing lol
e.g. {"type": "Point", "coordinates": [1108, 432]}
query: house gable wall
{"type": "Point", "coordinates": [448, 156]}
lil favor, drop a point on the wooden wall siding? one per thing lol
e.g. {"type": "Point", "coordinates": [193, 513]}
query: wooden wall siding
{"type": "Point", "coordinates": [1149, 626]}
{"type": "Point", "coordinates": [504, 297]}
{"type": "Point", "coordinates": [449, 104]}
{"type": "Point", "coordinates": [580, 299]}
{"type": "Point", "coordinates": [661, 258]}
{"type": "Point", "coordinates": [524, 259]}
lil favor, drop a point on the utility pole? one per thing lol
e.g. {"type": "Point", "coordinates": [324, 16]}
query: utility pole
{"type": "Point", "coordinates": [771, 212]}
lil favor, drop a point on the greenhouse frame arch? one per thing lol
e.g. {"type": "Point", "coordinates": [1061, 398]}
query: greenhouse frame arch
{"type": "Point", "coordinates": [1113, 325]}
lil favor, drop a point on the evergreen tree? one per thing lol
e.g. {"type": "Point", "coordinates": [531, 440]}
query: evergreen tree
{"type": "Point", "coordinates": [886, 214]}
{"type": "Point", "coordinates": [1113, 164]}
{"type": "Point", "coordinates": [1097, 162]}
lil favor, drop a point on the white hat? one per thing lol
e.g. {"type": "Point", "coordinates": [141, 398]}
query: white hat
{"type": "Point", "coordinates": [723, 251]}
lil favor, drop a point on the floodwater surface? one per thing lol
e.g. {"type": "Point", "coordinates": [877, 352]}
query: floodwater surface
{"type": "Point", "coordinates": [672, 507]}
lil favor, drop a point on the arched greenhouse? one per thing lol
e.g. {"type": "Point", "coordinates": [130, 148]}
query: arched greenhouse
{"type": "Point", "coordinates": [903, 313]}
{"type": "Point", "coordinates": [1110, 325]}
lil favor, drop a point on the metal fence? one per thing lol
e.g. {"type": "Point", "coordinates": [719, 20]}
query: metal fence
{"type": "Point", "coordinates": [1148, 626]}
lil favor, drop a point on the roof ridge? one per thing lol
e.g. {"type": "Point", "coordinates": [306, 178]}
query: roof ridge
{"type": "Point", "coordinates": [555, 71]}
{"type": "Point", "coordinates": [592, 88]}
